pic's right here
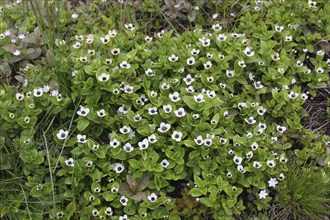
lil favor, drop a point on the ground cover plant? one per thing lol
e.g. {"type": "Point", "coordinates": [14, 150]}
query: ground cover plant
{"type": "Point", "coordinates": [184, 119]}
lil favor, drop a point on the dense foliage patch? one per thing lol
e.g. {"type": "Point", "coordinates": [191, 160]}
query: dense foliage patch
{"type": "Point", "coordinates": [115, 122]}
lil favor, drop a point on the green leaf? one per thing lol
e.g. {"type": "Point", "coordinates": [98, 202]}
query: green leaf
{"type": "Point", "coordinates": [82, 124]}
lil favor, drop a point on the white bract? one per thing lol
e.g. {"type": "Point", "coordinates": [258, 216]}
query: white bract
{"type": "Point", "coordinates": [83, 111]}
{"type": "Point", "coordinates": [163, 127]}
{"type": "Point", "coordinates": [153, 197]}
{"type": "Point", "coordinates": [69, 162]}
{"type": "Point", "coordinates": [180, 112]}
{"type": "Point", "coordinates": [103, 77]}
{"type": "Point", "coordinates": [62, 134]}
{"type": "Point", "coordinates": [237, 160]}
{"type": "Point", "coordinates": [177, 135]}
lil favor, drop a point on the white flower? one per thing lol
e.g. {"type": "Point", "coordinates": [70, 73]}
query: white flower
{"type": "Point", "coordinates": [163, 127]}
{"type": "Point", "coordinates": [125, 129]}
{"type": "Point", "coordinates": [195, 116]}
{"type": "Point", "coordinates": [249, 154]}
{"type": "Point", "coordinates": [194, 51]}
{"type": "Point", "coordinates": [288, 38]}
{"type": "Point", "coordinates": [199, 98]}
{"type": "Point", "coordinates": [191, 61]}
{"type": "Point", "coordinates": [123, 200]}
{"type": "Point", "coordinates": [165, 86]}
{"type": "Point", "coordinates": [207, 65]}
{"type": "Point", "coordinates": [164, 163]}
{"type": "Point", "coordinates": [114, 143]}
{"type": "Point", "coordinates": [175, 97]}
{"type": "Point", "coordinates": [248, 52]}
{"type": "Point", "coordinates": [76, 45]}
{"type": "Point", "coordinates": [129, 26]}
{"type": "Point", "coordinates": [173, 58]}
{"type": "Point", "coordinates": [112, 33]}
{"type": "Point", "coordinates": [222, 140]}
{"type": "Point", "coordinates": [222, 37]}
{"type": "Point", "coordinates": [83, 111]}
{"type": "Point", "coordinates": [59, 214]}
{"type": "Point", "coordinates": [74, 15]}
{"type": "Point", "coordinates": [153, 197]}
{"type": "Point", "coordinates": [199, 140]}
{"type": "Point", "coordinates": [241, 169]}
{"type": "Point", "coordinates": [21, 36]}
{"type": "Point", "coordinates": [152, 139]}
{"type": "Point", "coordinates": [208, 142]}
{"type": "Point", "coordinates": [190, 89]}
{"type": "Point", "coordinates": [124, 64]}
{"type": "Point", "coordinates": [230, 73]}
{"type": "Point", "coordinates": [320, 70]}
{"type": "Point", "coordinates": [210, 94]}
{"type": "Point", "coordinates": [241, 63]}
{"type": "Point", "coordinates": [237, 160]}
{"type": "Point", "coordinates": [229, 175]}
{"type": "Point", "coordinates": [7, 33]}
{"type": "Point", "coordinates": [124, 217]}
{"type": "Point", "coordinates": [275, 56]}
{"type": "Point", "coordinates": [257, 164]}
{"type": "Point", "coordinates": [279, 28]}
{"type": "Point", "coordinates": [122, 110]}
{"type": "Point", "coordinates": [177, 135]}
{"type": "Point", "coordinates": [101, 113]}
{"type": "Point", "coordinates": [108, 211]}
{"type": "Point", "coordinates": [37, 92]}
{"type": "Point", "coordinates": [19, 96]}
{"type": "Point", "coordinates": [272, 182]}
{"type": "Point", "coordinates": [148, 39]}
{"type": "Point", "coordinates": [95, 212]}
{"type": "Point", "coordinates": [160, 34]}
{"type": "Point", "coordinates": [46, 88]}
{"type": "Point", "coordinates": [283, 159]}
{"type": "Point", "coordinates": [262, 126]}
{"type": "Point", "coordinates": [261, 110]}
{"type": "Point", "coordinates": [312, 3]}
{"type": "Point", "coordinates": [281, 129]}
{"type": "Point", "coordinates": [258, 85]}
{"type": "Point", "coordinates": [293, 95]}
{"type": "Point", "coordinates": [254, 146]}
{"type": "Point", "coordinates": [304, 96]}
{"type": "Point", "coordinates": [128, 147]}
{"type": "Point", "coordinates": [216, 27]}
{"type": "Point", "coordinates": [61, 134]}
{"type": "Point", "coordinates": [214, 16]}
{"type": "Point", "coordinates": [281, 177]}
{"type": "Point", "coordinates": [167, 108]}
{"type": "Point", "coordinates": [17, 52]}
{"type": "Point", "coordinates": [263, 194]}
{"type": "Point", "coordinates": [69, 162]}
{"type": "Point", "coordinates": [153, 111]}
{"type": "Point", "coordinates": [205, 41]}
{"type": "Point", "coordinates": [103, 77]}
{"type": "Point", "coordinates": [89, 163]}
{"type": "Point", "coordinates": [118, 168]}
{"type": "Point", "coordinates": [115, 51]}
{"type": "Point", "coordinates": [144, 144]}
{"type": "Point", "coordinates": [180, 112]}
{"type": "Point", "coordinates": [271, 163]}
{"type": "Point", "coordinates": [250, 120]}
{"type": "Point", "coordinates": [81, 138]}
{"type": "Point", "coordinates": [89, 39]}
{"type": "Point", "coordinates": [149, 72]}
{"type": "Point", "coordinates": [188, 79]}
